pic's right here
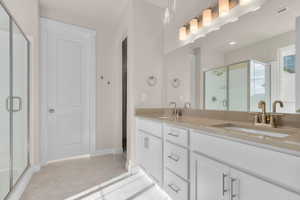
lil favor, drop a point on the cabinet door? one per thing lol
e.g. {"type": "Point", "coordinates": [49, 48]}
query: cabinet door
{"type": "Point", "coordinates": [150, 155]}
{"type": "Point", "coordinates": [246, 187]}
{"type": "Point", "coordinates": [141, 150]}
{"type": "Point", "coordinates": [155, 158]}
{"type": "Point", "coordinates": [209, 179]}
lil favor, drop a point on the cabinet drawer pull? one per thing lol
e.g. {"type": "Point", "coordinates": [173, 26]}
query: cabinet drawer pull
{"type": "Point", "coordinates": [224, 190]}
{"type": "Point", "coordinates": [174, 157]}
{"type": "Point", "coordinates": [233, 195]}
{"type": "Point", "coordinates": [173, 135]}
{"type": "Point", "coordinates": [174, 188]}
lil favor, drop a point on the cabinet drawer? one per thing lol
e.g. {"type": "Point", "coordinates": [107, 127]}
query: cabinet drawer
{"type": "Point", "coordinates": [149, 126]}
{"type": "Point", "coordinates": [279, 168]}
{"type": "Point", "coordinates": [176, 187]}
{"type": "Point", "coordinates": [177, 159]}
{"type": "Point", "coordinates": [177, 135]}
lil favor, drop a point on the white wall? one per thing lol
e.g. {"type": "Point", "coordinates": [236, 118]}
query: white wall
{"type": "Point", "coordinates": [147, 51]}
{"type": "Point", "coordinates": [179, 64]}
{"type": "Point", "coordinates": [142, 24]}
{"type": "Point", "coordinates": [26, 14]}
{"type": "Point", "coordinates": [211, 58]}
{"type": "Point", "coordinates": [264, 51]}
{"type": "Point", "coordinates": [145, 58]}
{"type": "Point", "coordinates": [110, 106]}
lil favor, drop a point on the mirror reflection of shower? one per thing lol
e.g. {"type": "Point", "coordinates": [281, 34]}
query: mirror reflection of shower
{"type": "Point", "coordinates": [237, 87]}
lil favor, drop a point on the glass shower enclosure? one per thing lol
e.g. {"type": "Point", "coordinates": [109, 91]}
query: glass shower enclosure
{"type": "Point", "coordinates": [237, 87]}
{"type": "Point", "coordinates": [14, 103]}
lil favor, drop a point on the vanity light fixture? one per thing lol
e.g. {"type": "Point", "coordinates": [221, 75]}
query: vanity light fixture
{"type": "Point", "coordinates": [224, 8]}
{"type": "Point", "coordinates": [183, 33]}
{"type": "Point", "coordinates": [207, 17]}
{"type": "Point", "coordinates": [194, 26]}
{"type": "Point", "coordinates": [216, 16]}
{"type": "Point", "coordinates": [233, 20]}
{"type": "Point", "coordinates": [244, 2]}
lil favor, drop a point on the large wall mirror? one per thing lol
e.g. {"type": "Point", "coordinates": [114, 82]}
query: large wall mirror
{"type": "Point", "coordinates": [254, 59]}
{"type": "Point", "coordinates": [14, 103]}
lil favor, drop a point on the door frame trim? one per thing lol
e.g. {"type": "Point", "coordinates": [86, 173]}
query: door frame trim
{"type": "Point", "coordinates": [90, 35]}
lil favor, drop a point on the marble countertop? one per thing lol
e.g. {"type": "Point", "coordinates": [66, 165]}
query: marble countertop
{"type": "Point", "coordinates": [214, 127]}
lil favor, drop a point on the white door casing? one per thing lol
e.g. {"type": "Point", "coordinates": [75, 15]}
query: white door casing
{"type": "Point", "coordinates": [68, 90]}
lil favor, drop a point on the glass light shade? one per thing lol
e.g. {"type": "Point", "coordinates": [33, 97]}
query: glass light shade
{"type": "Point", "coordinates": [223, 7]}
{"type": "Point", "coordinates": [207, 17]}
{"type": "Point", "coordinates": [244, 2]}
{"type": "Point", "coordinates": [183, 33]}
{"type": "Point", "coordinates": [194, 26]}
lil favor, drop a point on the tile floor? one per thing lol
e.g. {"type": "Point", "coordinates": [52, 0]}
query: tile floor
{"type": "Point", "coordinates": [125, 187]}
{"type": "Point", "coordinates": [65, 179]}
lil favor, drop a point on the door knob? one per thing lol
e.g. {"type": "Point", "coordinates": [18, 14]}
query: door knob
{"type": "Point", "coordinates": [51, 110]}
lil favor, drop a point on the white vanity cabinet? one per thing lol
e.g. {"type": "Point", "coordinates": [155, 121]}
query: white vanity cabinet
{"type": "Point", "coordinates": [150, 148]}
{"type": "Point", "coordinates": [209, 179]}
{"type": "Point", "coordinates": [176, 162]}
{"type": "Point", "coordinates": [247, 187]}
{"type": "Point", "coordinates": [198, 165]}
{"type": "Point", "coordinates": [229, 170]}
{"type": "Point", "coordinates": [212, 180]}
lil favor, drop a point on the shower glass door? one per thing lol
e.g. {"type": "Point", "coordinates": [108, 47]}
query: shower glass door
{"type": "Point", "coordinates": [4, 97]}
{"type": "Point", "coordinates": [216, 89]}
{"type": "Point", "coordinates": [20, 102]}
{"type": "Point", "coordinates": [238, 86]}
{"type": "Point", "coordinates": [14, 103]}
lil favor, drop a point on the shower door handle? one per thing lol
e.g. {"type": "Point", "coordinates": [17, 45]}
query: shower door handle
{"type": "Point", "coordinates": [51, 110]}
{"type": "Point", "coordinates": [9, 104]}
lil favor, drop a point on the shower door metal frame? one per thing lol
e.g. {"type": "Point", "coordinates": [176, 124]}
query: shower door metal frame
{"type": "Point", "coordinates": [11, 22]}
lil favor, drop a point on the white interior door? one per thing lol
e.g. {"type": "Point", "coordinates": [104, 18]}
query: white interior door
{"type": "Point", "coordinates": [66, 57]}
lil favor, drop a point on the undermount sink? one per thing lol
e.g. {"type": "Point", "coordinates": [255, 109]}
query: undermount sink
{"type": "Point", "coordinates": [253, 131]}
{"type": "Point", "coordinates": [164, 117]}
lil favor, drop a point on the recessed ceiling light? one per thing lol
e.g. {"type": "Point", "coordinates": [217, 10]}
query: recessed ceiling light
{"type": "Point", "coordinates": [232, 43]}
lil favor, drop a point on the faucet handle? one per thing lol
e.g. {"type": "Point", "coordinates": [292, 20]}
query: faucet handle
{"type": "Point", "coordinates": [172, 103]}
{"type": "Point", "coordinates": [257, 118]}
{"type": "Point", "coordinates": [187, 105]}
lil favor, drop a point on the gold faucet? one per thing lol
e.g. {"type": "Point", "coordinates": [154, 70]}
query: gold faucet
{"type": "Point", "coordinates": [263, 117]}
{"type": "Point", "coordinates": [267, 119]}
{"type": "Point", "coordinates": [175, 111]}
{"type": "Point", "coordinates": [275, 104]}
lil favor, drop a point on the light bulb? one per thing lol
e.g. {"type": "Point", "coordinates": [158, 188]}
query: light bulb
{"type": "Point", "coordinates": [194, 26]}
{"type": "Point", "coordinates": [223, 7]}
{"type": "Point", "coordinates": [183, 33]}
{"type": "Point", "coordinates": [207, 17]}
{"type": "Point", "coordinates": [244, 2]}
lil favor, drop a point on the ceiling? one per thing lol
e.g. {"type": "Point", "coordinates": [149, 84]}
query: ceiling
{"type": "Point", "coordinates": [86, 13]}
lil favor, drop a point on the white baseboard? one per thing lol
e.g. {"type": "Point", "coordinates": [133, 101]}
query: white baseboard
{"type": "Point", "coordinates": [132, 167]}
{"type": "Point", "coordinates": [103, 152]}
{"type": "Point", "coordinates": [36, 168]}
{"type": "Point", "coordinates": [19, 189]}
{"type": "Point", "coordinates": [69, 158]}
